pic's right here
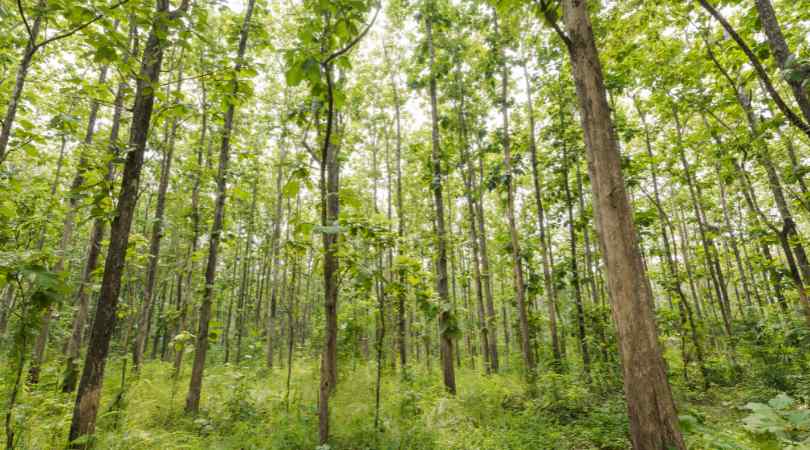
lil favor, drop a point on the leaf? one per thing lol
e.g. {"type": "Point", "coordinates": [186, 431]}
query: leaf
{"type": "Point", "coordinates": [781, 401]}
{"type": "Point", "coordinates": [291, 188]}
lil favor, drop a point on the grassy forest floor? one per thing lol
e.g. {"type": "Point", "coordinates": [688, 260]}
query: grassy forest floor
{"type": "Point", "coordinates": [245, 408]}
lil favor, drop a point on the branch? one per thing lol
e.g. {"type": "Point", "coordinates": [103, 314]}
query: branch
{"type": "Point", "coordinates": [75, 30]}
{"type": "Point", "coordinates": [545, 8]}
{"type": "Point", "coordinates": [25, 21]}
{"type": "Point", "coordinates": [354, 41]}
{"type": "Point", "coordinates": [763, 75]}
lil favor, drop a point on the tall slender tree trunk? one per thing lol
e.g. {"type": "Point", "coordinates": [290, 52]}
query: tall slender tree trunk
{"type": "Point", "coordinates": [517, 265]}
{"type": "Point", "coordinates": [709, 249]}
{"type": "Point", "coordinates": [548, 283]}
{"type": "Point", "coordinates": [89, 393]}
{"type": "Point", "coordinates": [201, 346]}
{"type": "Point", "coordinates": [469, 177]}
{"type": "Point", "coordinates": [572, 234]}
{"type": "Point", "coordinates": [73, 350]}
{"type": "Point", "coordinates": [19, 82]}
{"type": "Point", "coordinates": [67, 235]}
{"type": "Point", "coordinates": [195, 226]}
{"type": "Point", "coordinates": [486, 274]}
{"type": "Point", "coordinates": [445, 316]}
{"type": "Point", "coordinates": [157, 235]}
{"type": "Point", "coordinates": [653, 419]}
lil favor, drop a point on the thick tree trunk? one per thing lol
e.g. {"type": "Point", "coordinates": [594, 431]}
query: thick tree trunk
{"type": "Point", "coordinates": [89, 393]}
{"type": "Point", "coordinates": [653, 419]}
{"type": "Point", "coordinates": [201, 346]}
{"type": "Point", "coordinates": [73, 350]}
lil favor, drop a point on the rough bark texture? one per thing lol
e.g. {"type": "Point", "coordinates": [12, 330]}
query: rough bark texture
{"type": "Point", "coordinates": [653, 419]}
{"type": "Point", "coordinates": [73, 350]}
{"type": "Point", "coordinates": [89, 393]}
{"type": "Point", "coordinates": [19, 84]}
{"type": "Point", "coordinates": [781, 52]}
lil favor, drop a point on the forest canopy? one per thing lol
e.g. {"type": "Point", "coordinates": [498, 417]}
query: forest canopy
{"type": "Point", "coordinates": [410, 224]}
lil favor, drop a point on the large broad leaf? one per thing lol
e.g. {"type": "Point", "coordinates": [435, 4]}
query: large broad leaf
{"type": "Point", "coordinates": [781, 401]}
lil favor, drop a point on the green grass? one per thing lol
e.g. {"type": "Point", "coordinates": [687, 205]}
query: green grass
{"type": "Point", "coordinates": [245, 408]}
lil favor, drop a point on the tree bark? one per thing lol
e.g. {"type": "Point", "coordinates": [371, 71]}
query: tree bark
{"type": "Point", "coordinates": [781, 52]}
{"type": "Point", "coordinates": [89, 393]}
{"type": "Point", "coordinates": [653, 419]}
{"type": "Point", "coordinates": [517, 265]}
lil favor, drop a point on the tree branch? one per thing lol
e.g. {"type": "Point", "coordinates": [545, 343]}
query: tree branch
{"type": "Point", "coordinates": [760, 70]}
{"type": "Point", "coordinates": [25, 21]}
{"type": "Point", "coordinates": [545, 8]}
{"type": "Point", "coordinates": [354, 41]}
{"type": "Point", "coordinates": [75, 30]}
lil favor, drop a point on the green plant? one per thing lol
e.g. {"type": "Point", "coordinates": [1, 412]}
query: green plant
{"type": "Point", "coordinates": [782, 417]}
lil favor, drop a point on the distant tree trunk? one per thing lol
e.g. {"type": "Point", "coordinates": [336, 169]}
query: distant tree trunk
{"type": "Point", "coordinates": [653, 419]}
{"type": "Point", "coordinates": [517, 265]}
{"type": "Point", "coordinates": [709, 248]}
{"type": "Point", "coordinates": [469, 179]}
{"type": "Point", "coordinates": [674, 282]}
{"type": "Point", "coordinates": [445, 317]}
{"type": "Point", "coordinates": [157, 235]}
{"type": "Point", "coordinates": [401, 307]}
{"type": "Point", "coordinates": [243, 284]}
{"type": "Point", "coordinates": [67, 234]}
{"type": "Point", "coordinates": [572, 234]}
{"type": "Point", "coordinates": [195, 226]}
{"type": "Point", "coordinates": [89, 393]}
{"type": "Point", "coordinates": [548, 283]}
{"type": "Point", "coordinates": [201, 346]}
{"type": "Point", "coordinates": [486, 274]}
{"type": "Point", "coordinates": [278, 216]}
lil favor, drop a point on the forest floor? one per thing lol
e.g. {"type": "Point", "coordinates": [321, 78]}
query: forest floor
{"type": "Point", "coordinates": [247, 408]}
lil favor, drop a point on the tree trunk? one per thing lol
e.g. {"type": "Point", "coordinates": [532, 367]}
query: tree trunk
{"type": "Point", "coordinates": [73, 350]}
{"type": "Point", "coordinates": [781, 53]}
{"type": "Point", "coordinates": [89, 393]}
{"type": "Point", "coordinates": [572, 234]}
{"type": "Point", "coordinates": [517, 265]}
{"type": "Point", "coordinates": [19, 83]}
{"type": "Point", "coordinates": [548, 283]}
{"type": "Point", "coordinates": [445, 317]}
{"type": "Point", "coordinates": [653, 419]}
{"type": "Point", "coordinates": [201, 346]}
